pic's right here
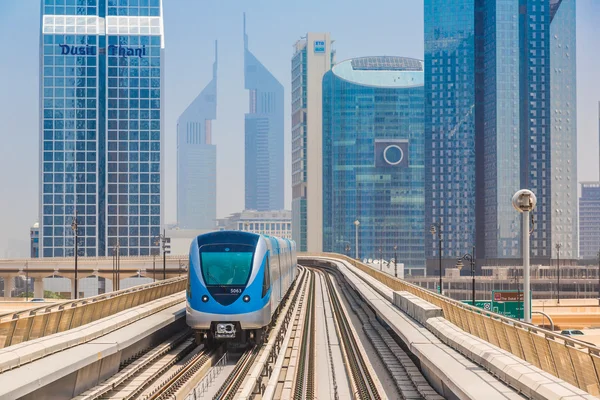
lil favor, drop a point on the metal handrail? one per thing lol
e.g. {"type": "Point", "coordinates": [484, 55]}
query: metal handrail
{"type": "Point", "coordinates": [547, 316]}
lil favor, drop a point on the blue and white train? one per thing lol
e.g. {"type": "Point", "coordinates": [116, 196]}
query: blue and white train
{"type": "Point", "coordinates": [236, 281]}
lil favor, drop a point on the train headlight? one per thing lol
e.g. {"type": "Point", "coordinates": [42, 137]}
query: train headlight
{"type": "Point", "coordinates": [205, 298]}
{"type": "Point", "coordinates": [246, 298]}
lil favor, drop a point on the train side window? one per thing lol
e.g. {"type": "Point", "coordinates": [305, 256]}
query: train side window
{"type": "Point", "coordinates": [267, 277]}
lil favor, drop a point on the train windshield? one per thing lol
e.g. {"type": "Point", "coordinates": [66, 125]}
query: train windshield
{"type": "Point", "coordinates": [226, 264]}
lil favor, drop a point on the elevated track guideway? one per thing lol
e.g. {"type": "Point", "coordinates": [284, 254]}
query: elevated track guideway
{"type": "Point", "coordinates": [339, 333]}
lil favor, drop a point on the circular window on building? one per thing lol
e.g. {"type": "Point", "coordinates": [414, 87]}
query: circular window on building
{"type": "Point", "coordinates": [393, 154]}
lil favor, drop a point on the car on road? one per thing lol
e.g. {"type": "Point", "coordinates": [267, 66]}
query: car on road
{"type": "Point", "coordinates": [38, 300]}
{"type": "Point", "coordinates": [571, 332]}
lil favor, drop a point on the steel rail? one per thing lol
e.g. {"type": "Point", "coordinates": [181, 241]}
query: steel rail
{"type": "Point", "coordinates": [359, 371]}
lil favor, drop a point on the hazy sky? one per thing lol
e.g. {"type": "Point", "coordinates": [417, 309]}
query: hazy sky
{"type": "Point", "coordinates": [383, 27]}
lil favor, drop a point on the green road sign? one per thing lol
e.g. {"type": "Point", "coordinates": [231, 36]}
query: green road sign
{"type": "Point", "coordinates": [508, 303]}
{"type": "Point", "coordinates": [483, 304]}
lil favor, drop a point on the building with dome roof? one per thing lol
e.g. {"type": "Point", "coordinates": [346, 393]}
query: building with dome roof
{"type": "Point", "coordinates": [373, 166]}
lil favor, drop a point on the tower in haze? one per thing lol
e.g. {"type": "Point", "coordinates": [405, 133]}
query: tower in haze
{"type": "Point", "coordinates": [101, 127]}
{"type": "Point", "coordinates": [500, 115]}
{"type": "Point", "coordinates": [313, 57]}
{"type": "Point", "coordinates": [264, 134]}
{"type": "Point", "coordinates": [197, 160]}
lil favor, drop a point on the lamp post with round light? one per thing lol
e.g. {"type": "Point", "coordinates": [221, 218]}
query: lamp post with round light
{"type": "Point", "coordinates": [524, 201]}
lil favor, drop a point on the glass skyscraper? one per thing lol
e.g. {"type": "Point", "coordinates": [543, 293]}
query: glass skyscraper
{"type": "Point", "coordinates": [373, 166]}
{"type": "Point", "coordinates": [101, 126]}
{"type": "Point", "coordinates": [500, 90]}
{"type": "Point", "coordinates": [197, 160]}
{"type": "Point", "coordinates": [589, 220]}
{"type": "Point", "coordinates": [450, 126]}
{"type": "Point", "coordinates": [313, 57]}
{"type": "Point", "coordinates": [264, 133]}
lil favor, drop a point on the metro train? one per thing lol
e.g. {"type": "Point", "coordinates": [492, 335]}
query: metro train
{"type": "Point", "coordinates": [236, 281]}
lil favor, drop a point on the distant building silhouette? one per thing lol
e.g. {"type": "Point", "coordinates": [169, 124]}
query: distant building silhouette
{"type": "Point", "coordinates": [197, 160]}
{"type": "Point", "coordinates": [264, 134]}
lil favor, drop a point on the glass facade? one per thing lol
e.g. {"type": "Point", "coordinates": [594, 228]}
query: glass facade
{"type": "Point", "coordinates": [501, 121]}
{"type": "Point", "coordinates": [197, 160]}
{"type": "Point", "coordinates": [563, 123]}
{"type": "Point", "coordinates": [264, 133]}
{"type": "Point", "coordinates": [589, 220]}
{"type": "Point", "coordinates": [373, 166]}
{"type": "Point", "coordinates": [501, 96]}
{"type": "Point", "coordinates": [450, 126]}
{"type": "Point", "coordinates": [101, 123]}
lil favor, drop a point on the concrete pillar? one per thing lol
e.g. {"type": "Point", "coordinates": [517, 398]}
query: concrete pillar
{"type": "Point", "coordinates": [38, 287]}
{"type": "Point", "coordinates": [9, 285]}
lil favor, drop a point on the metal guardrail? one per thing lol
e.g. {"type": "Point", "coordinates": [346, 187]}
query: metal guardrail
{"type": "Point", "coordinates": [571, 360]}
{"type": "Point", "coordinates": [57, 318]}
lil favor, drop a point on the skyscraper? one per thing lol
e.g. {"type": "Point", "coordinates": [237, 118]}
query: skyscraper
{"type": "Point", "coordinates": [313, 57]}
{"type": "Point", "coordinates": [101, 126]}
{"type": "Point", "coordinates": [589, 220]}
{"type": "Point", "coordinates": [500, 83]}
{"type": "Point", "coordinates": [197, 160]}
{"type": "Point", "coordinates": [450, 126]}
{"type": "Point", "coordinates": [263, 136]}
{"type": "Point", "coordinates": [373, 169]}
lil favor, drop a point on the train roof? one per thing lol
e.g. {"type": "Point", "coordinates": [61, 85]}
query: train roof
{"type": "Point", "coordinates": [236, 236]}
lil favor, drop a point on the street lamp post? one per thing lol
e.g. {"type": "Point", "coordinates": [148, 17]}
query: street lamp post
{"type": "Point", "coordinates": [471, 259]}
{"type": "Point", "coordinates": [74, 228]}
{"type": "Point", "coordinates": [356, 224]}
{"type": "Point", "coordinates": [166, 248]}
{"type": "Point", "coordinates": [380, 259]}
{"type": "Point", "coordinates": [558, 246]}
{"type": "Point", "coordinates": [153, 267]}
{"type": "Point", "coordinates": [395, 261]}
{"type": "Point", "coordinates": [438, 228]}
{"type": "Point", "coordinates": [116, 268]}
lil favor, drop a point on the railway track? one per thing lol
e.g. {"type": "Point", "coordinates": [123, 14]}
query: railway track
{"type": "Point", "coordinates": [245, 381]}
{"type": "Point", "coordinates": [409, 380]}
{"type": "Point", "coordinates": [304, 387]}
{"type": "Point", "coordinates": [364, 386]}
{"type": "Point", "coordinates": [156, 373]}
